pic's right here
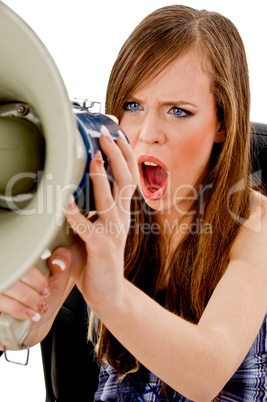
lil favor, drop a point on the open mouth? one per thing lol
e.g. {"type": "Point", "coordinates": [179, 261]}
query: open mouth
{"type": "Point", "coordinates": [153, 176]}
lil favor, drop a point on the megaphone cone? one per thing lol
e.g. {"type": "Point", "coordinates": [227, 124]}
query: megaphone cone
{"type": "Point", "coordinates": [36, 113]}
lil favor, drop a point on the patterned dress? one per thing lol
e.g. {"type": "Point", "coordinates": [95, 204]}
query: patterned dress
{"type": "Point", "coordinates": [249, 383]}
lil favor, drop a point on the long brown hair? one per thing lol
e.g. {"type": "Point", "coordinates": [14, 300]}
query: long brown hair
{"type": "Point", "coordinates": [198, 262]}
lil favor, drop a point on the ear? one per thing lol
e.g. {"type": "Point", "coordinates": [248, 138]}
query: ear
{"type": "Point", "coordinates": [220, 135]}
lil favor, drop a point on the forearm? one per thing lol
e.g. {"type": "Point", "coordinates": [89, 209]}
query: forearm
{"type": "Point", "coordinates": [181, 354]}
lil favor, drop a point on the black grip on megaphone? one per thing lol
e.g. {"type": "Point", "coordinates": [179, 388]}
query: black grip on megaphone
{"type": "Point", "coordinates": [90, 125]}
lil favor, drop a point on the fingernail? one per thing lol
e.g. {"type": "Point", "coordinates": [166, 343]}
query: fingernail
{"type": "Point", "coordinates": [105, 132]}
{"type": "Point", "coordinates": [45, 292]}
{"type": "Point", "coordinates": [36, 317]}
{"type": "Point", "coordinates": [71, 199]}
{"type": "Point", "coordinates": [45, 254]}
{"type": "Point", "coordinates": [122, 136]}
{"type": "Point", "coordinates": [112, 117]}
{"type": "Point", "coordinates": [71, 204]}
{"type": "Point", "coordinates": [42, 307]}
{"type": "Point", "coordinates": [61, 264]}
{"type": "Point", "coordinates": [99, 159]}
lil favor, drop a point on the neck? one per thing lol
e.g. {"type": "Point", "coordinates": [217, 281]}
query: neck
{"type": "Point", "coordinates": [174, 226]}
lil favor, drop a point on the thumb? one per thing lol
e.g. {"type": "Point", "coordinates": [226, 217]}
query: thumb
{"type": "Point", "coordinates": [60, 260]}
{"type": "Point", "coordinates": [59, 263]}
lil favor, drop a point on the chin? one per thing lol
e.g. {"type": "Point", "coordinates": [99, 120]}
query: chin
{"type": "Point", "coordinates": [159, 205]}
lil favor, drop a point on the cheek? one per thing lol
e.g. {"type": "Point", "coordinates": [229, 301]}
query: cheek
{"type": "Point", "coordinates": [196, 148]}
{"type": "Point", "coordinates": [130, 132]}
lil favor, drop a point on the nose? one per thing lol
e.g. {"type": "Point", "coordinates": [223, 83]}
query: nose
{"type": "Point", "coordinates": [151, 130]}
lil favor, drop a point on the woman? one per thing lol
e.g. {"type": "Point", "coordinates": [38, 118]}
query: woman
{"type": "Point", "coordinates": [179, 313]}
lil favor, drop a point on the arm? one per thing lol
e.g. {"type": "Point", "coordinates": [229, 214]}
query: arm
{"type": "Point", "coordinates": [196, 360]}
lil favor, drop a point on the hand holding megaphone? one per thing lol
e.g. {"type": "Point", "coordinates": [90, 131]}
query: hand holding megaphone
{"type": "Point", "coordinates": [46, 144]}
{"type": "Point", "coordinates": [27, 298]}
{"type": "Point", "coordinates": [35, 298]}
{"type": "Point", "coordinates": [21, 187]}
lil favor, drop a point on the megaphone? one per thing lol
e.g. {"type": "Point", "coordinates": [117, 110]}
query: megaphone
{"type": "Point", "coordinates": [46, 143]}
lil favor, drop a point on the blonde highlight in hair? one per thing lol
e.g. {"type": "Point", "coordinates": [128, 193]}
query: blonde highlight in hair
{"type": "Point", "coordinates": [199, 261]}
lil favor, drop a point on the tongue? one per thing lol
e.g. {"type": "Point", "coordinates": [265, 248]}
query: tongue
{"type": "Point", "coordinates": [155, 177]}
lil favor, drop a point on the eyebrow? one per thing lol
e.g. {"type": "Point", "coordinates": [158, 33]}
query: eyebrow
{"type": "Point", "coordinates": [167, 103]}
{"type": "Point", "coordinates": [179, 103]}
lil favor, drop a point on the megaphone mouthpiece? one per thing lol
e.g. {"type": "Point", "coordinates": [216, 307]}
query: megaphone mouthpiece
{"type": "Point", "coordinates": [22, 149]}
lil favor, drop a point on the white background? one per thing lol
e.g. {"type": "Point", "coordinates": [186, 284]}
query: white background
{"type": "Point", "coordinates": [84, 37]}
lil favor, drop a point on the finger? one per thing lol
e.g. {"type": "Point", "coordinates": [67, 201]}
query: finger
{"type": "Point", "coordinates": [124, 168]}
{"type": "Point", "coordinates": [118, 164]}
{"type": "Point", "coordinates": [129, 156]}
{"type": "Point", "coordinates": [126, 192]}
{"type": "Point", "coordinates": [112, 117]}
{"type": "Point", "coordinates": [27, 296]}
{"type": "Point", "coordinates": [104, 201]}
{"type": "Point", "coordinates": [36, 280]}
{"type": "Point", "coordinates": [78, 254]}
{"type": "Point", "coordinates": [78, 222]}
{"type": "Point", "coordinates": [17, 309]}
{"type": "Point", "coordinates": [60, 260]}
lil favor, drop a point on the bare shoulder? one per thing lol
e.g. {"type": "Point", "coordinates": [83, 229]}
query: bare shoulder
{"type": "Point", "coordinates": [251, 242]}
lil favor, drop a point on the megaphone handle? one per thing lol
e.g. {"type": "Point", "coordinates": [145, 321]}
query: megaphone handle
{"type": "Point", "coordinates": [13, 332]}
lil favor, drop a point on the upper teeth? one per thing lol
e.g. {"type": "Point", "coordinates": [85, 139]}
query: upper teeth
{"type": "Point", "coordinates": [148, 163]}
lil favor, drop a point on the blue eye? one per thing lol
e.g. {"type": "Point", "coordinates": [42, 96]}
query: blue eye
{"type": "Point", "coordinates": [131, 106]}
{"type": "Point", "coordinates": [179, 112]}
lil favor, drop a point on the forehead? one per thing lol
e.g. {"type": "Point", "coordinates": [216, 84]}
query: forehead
{"type": "Point", "coordinates": [187, 75]}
